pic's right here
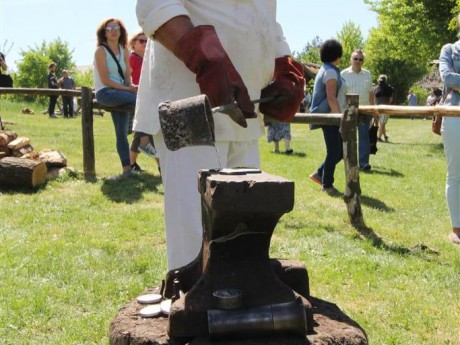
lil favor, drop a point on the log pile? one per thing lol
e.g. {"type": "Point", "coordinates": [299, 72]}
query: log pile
{"type": "Point", "coordinates": [21, 166]}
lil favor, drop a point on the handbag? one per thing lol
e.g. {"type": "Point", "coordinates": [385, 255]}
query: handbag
{"type": "Point", "coordinates": [373, 139]}
{"type": "Point", "coordinates": [436, 124]}
{"type": "Point", "coordinates": [437, 119]}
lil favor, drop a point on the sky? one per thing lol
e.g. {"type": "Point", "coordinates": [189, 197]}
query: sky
{"type": "Point", "coordinates": [26, 24]}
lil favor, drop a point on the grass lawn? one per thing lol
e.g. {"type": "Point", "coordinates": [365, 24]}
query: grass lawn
{"type": "Point", "coordinates": [73, 252]}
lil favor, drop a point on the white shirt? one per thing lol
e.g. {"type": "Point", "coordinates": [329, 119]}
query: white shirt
{"type": "Point", "coordinates": [247, 31]}
{"type": "Point", "coordinates": [359, 83]}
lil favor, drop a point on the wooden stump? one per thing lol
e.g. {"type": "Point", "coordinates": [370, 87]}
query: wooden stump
{"type": "Point", "coordinates": [21, 172]}
{"type": "Point", "coordinates": [331, 327]}
{"type": "Point", "coordinates": [348, 129]}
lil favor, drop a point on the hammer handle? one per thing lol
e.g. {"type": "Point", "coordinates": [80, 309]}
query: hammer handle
{"type": "Point", "coordinates": [231, 106]}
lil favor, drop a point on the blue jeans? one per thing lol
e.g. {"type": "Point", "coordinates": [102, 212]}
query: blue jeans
{"type": "Point", "coordinates": [364, 145]}
{"type": "Point", "coordinates": [120, 119]}
{"type": "Point", "coordinates": [333, 140]}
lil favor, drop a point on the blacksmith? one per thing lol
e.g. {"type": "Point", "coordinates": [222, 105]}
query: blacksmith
{"type": "Point", "coordinates": [229, 50]}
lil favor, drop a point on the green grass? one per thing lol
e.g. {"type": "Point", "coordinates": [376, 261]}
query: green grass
{"type": "Point", "coordinates": [73, 252]}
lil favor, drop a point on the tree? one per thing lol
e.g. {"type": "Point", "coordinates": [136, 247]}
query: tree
{"type": "Point", "coordinates": [311, 51]}
{"type": "Point", "coordinates": [409, 36]}
{"type": "Point", "coordinates": [351, 39]}
{"type": "Point", "coordinates": [84, 78]}
{"type": "Point", "coordinates": [33, 68]}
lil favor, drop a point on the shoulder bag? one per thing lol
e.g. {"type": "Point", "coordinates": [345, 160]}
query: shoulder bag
{"type": "Point", "coordinates": [120, 70]}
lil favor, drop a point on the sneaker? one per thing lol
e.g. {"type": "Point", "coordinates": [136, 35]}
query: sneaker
{"type": "Point", "coordinates": [316, 178]}
{"type": "Point", "coordinates": [148, 149]}
{"type": "Point", "coordinates": [52, 116]}
{"type": "Point", "coordinates": [386, 138]}
{"type": "Point", "coordinates": [380, 140]}
{"type": "Point", "coordinates": [331, 191]}
{"type": "Point", "coordinates": [136, 167]}
{"type": "Point", "coordinates": [289, 152]}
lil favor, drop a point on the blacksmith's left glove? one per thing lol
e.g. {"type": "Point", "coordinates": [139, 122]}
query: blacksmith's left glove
{"type": "Point", "coordinates": [286, 89]}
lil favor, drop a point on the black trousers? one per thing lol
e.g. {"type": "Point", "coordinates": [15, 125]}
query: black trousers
{"type": "Point", "coordinates": [52, 105]}
{"type": "Point", "coordinates": [67, 104]}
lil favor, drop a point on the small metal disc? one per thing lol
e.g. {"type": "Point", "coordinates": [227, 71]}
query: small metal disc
{"type": "Point", "coordinates": [150, 311]}
{"type": "Point", "coordinates": [239, 171]}
{"type": "Point", "coordinates": [165, 306]}
{"type": "Point", "coordinates": [149, 298]}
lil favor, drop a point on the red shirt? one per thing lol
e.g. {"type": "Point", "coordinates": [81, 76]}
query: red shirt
{"type": "Point", "coordinates": [135, 61]}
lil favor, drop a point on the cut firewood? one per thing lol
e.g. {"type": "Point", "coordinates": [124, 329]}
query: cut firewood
{"type": "Point", "coordinates": [20, 172]}
{"type": "Point", "coordinates": [6, 137]}
{"type": "Point", "coordinates": [27, 111]}
{"type": "Point", "coordinates": [52, 159]}
{"type": "Point", "coordinates": [17, 143]}
{"type": "Point", "coordinates": [22, 151]}
{"type": "Point", "coordinates": [3, 154]}
{"type": "Point", "coordinates": [31, 155]}
{"type": "Point", "coordinates": [5, 150]}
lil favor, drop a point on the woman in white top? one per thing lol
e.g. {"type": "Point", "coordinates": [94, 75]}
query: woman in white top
{"type": "Point", "coordinates": [112, 81]}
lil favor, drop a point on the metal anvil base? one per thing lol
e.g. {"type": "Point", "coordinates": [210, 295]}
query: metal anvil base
{"type": "Point", "coordinates": [240, 209]}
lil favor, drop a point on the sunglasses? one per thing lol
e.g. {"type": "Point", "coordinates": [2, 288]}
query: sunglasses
{"type": "Point", "coordinates": [141, 40]}
{"type": "Point", "coordinates": [112, 28]}
{"type": "Point", "coordinates": [358, 59]}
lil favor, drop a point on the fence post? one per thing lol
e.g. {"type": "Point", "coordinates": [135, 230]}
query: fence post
{"type": "Point", "coordinates": [348, 129]}
{"type": "Point", "coordinates": [87, 133]}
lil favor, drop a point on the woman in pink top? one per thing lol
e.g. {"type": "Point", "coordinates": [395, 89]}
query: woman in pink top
{"type": "Point", "coordinates": [141, 141]}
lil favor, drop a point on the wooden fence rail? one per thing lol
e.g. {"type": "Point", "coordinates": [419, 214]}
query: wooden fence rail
{"type": "Point", "coordinates": [347, 122]}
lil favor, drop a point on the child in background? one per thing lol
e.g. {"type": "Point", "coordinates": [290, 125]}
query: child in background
{"type": "Point", "coordinates": [141, 141]}
{"type": "Point", "coordinates": [277, 131]}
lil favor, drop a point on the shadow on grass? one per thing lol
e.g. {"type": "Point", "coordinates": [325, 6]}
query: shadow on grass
{"type": "Point", "coordinates": [375, 203]}
{"type": "Point", "coordinates": [293, 154]}
{"type": "Point", "coordinates": [383, 171]}
{"type": "Point", "coordinates": [296, 154]}
{"type": "Point", "coordinates": [437, 148]}
{"type": "Point", "coordinates": [10, 190]}
{"type": "Point", "coordinates": [130, 189]}
{"type": "Point", "coordinates": [369, 234]}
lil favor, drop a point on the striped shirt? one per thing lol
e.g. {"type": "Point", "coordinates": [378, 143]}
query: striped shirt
{"type": "Point", "coordinates": [359, 83]}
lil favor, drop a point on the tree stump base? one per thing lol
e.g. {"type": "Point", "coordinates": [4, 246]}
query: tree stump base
{"type": "Point", "coordinates": [331, 327]}
{"type": "Point", "coordinates": [22, 172]}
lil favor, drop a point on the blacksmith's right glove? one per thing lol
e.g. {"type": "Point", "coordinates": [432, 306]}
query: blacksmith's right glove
{"type": "Point", "coordinates": [203, 54]}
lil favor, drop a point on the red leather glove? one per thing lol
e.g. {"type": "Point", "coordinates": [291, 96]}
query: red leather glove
{"type": "Point", "coordinates": [203, 54]}
{"type": "Point", "coordinates": [286, 88]}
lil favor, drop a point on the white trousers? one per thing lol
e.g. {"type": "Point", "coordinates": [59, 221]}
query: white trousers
{"type": "Point", "coordinates": [182, 201]}
{"type": "Point", "coordinates": [451, 137]}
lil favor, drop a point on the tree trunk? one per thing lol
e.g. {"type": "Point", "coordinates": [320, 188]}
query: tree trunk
{"type": "Point", "coordinates": [21, 172]}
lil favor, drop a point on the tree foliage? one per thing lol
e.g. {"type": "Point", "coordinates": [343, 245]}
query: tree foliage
{"type": "Point", "coordinates": [84, 78]}
{"type": "Point", "coordinates": [311, 51]}
{"type": "Point", "coordinates": [33, 68]}
{"type": "Point", "coordinates": [351, 39]}
{"type": "Point", "coordinates": [410, 34]}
